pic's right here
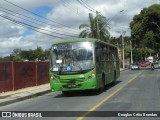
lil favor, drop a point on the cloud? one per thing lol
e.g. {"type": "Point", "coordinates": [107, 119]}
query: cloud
{"type": "Point", "coordinates": [64, 17]}
{"type": "Point", "coordinates": [27, 4]}
{"type": "Point", "coordinates": [8, 29]}
{"type": "Point", "coordinates": [68, 16]}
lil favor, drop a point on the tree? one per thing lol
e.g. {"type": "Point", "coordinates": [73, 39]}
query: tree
{"type": "Point", "coordinates": [141, 53]}
{"type": "Point", "coordinates": [39, 54]}
{"type": "Point", "coordinates": [97, 28]}
{"type": "Point", "coordinates": [28, 55]}
{"type": "Point", "coordinates": [145, 32]}
{"type": "Point", "coordinates": [15, 55]}
{"type": "Point", "coordinates": [31, 55]}
{"type": "Point", "coordinates": [145, 29]}
{"type": "Point", "coordinates": [46, 54]}
{"type": "Point", "coordinates": [7, 58]}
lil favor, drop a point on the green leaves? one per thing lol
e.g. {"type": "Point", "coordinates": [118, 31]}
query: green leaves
{"type": "Point", "coordinates": [145, 29]}
{"type": "Point", "coordinates": [97, 28]}
{"type": "Point", "coordinates": [31, 55]}
{"type": "Point", "coordinates": [83, 26]}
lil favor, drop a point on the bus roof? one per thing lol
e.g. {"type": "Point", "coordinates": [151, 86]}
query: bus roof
{"type": "Point", "coordinates": [83, 40]}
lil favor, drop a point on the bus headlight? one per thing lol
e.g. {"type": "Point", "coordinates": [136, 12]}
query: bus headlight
{"type": "Point", "coordinates": [91, 76]}
{"type": "Point", "coordinates": [54, 79]}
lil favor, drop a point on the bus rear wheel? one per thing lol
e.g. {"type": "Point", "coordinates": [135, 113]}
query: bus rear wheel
{"type": "Point", "coordinates": [114, 79]}
{"type": "Point", "coordinates": [102, 88]}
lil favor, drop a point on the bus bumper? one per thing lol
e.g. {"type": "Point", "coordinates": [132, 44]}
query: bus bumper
{"type": "Point", "coordinates": [86, 85]}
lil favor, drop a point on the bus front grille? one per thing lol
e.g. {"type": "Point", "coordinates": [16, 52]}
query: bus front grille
{"type": "Point", "coordinates": [72, 80]}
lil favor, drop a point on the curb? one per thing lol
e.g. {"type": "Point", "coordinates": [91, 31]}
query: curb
{"type": "Point", "coordinates": [24, 98]}
{"type": "Point", "coordinates": [124, 69]}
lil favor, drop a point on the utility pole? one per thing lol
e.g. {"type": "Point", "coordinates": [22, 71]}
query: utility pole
{"type": "Point", "coordinates": [98, 30]}
{"type": "Point", "coordinates": [123, 33]}
{"type": "Point", "coordinates": [131, 51]}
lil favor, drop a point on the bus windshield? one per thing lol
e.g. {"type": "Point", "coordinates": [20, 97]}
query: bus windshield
{"type": "Point", "coordinates": [72, 58]}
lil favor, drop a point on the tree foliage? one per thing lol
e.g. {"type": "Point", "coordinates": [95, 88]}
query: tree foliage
{"type": "Point", "coordinates": [30, 55]}
{"type": "Point", "coordinates": [145, 29]}
{"type": "Point", "coordinates": [97, 28]}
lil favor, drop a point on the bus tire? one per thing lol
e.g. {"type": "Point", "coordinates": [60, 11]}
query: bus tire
{"type": "Point", "coordinates": [114, 78]}
{"type": "Point", "coordinates": [102, 88]}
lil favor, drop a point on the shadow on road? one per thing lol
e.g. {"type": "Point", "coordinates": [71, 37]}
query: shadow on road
{"type": "Point", "coordinates": [87, 92]}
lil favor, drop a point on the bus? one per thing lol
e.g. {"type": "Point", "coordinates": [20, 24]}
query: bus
{"type": "Point", "coordinates": [82, 64]}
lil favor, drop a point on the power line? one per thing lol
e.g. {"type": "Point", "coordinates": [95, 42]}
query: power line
{"type": "Point", "coordinates": [84, 5]}
{"type": "Point", "coordinates": [37, 14]}
{"type": "Point", "coordinates": [88, 6]}
{"type": "Point", "coordinates": [31, 27]}
{"type": "Point", "coordinates": [40, 28]}
{"type": "Point", "coordinates": [70, 6]}
{"type": "Point", "coordinates": [77, 7]}
{"type": "Point", "coordinates": [14, 21]}
{"type": "Point", "coordinates": [8, 12]}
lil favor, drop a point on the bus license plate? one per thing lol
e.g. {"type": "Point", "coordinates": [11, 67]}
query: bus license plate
{"type": "Point", "coordinates": [71, 85]}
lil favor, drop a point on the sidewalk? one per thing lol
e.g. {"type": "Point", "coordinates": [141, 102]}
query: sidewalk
{"type": "Point", "coordinates": [22, 94]}
{"type": "Point", "coordinates": [121, 69]}
{"type": "Point", "coordinates": [25, 93]}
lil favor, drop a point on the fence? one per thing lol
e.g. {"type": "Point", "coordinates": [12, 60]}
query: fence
{"type": "Point", "coordinates": [17, 75]}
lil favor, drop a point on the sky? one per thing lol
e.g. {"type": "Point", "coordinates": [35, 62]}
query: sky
{"type": "Point", "coordinates": [26, 24]}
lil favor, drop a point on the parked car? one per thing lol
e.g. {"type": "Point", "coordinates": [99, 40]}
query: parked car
{"type": "Point", "coordinates": [135, 66]}
{"type": "Point", "coordinates": [143, 64]}
{"type": "Point", "coordinates": [155, 61]}
{"type": "Point", "coordinates": [147, 62]}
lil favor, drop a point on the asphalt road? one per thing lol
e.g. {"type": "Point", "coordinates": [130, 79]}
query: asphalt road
{"type": "Point", "coordinates": [137, 90]}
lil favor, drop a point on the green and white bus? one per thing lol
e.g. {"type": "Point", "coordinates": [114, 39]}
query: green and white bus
{"type": "Point", "coordinates": [82, 64]}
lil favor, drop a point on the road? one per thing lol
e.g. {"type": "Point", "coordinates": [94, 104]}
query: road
{"type": "Point", "coordinates": [137, 90]}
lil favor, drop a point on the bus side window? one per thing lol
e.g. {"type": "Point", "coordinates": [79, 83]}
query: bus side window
{"type": "Point", "coordinates": [113, 56]}
{"type": "Point", "coordinates": [107, 54]}
{"type": "Point", "coordinates": [97, 54]}
{"type": "Point", "coordinates": [103, 54]}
